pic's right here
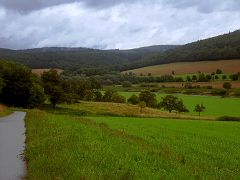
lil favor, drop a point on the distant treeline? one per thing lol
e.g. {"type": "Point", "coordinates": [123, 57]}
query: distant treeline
{"type": "Point", "coordinates": [91, 61]}
{"type": "Point", "coordinates": [80, 58]}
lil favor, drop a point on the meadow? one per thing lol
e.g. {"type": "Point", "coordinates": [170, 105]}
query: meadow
{"type": "Point", "coordinates": [102, 147]}
{"type": "Point", "coordinates": [215, 105]}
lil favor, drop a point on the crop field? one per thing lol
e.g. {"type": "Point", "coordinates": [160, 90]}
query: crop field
{"type": "Point", "coordinates": [227, 66]}
{"type": "Point", "coordinates": [215, 106]}
{"type": "Point", "coordinates": [72, 147]}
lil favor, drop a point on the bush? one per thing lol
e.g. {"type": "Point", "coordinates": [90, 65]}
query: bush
{"type": "Point", "coordinates": [126, 84]}
{"type": "Point", "coordinates": [116, 98]}
{"type": "Point", "coordinates": [228, 118]}
{"type": "Point", "coordinates": [134, 99]}
{"type": "Point", "coordinates": [219, 71]}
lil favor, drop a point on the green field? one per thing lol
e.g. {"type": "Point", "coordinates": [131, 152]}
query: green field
{"type": "Point", "coordinates": [215, 106]}
{"type": "Point", "coordinates": [72, 147]}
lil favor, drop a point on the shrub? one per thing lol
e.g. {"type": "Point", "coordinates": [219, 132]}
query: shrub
{"type": "Point", "coordinates": [126, 84]}
{"type": "Point", "coordinates": [228, 118]}
{"type": "Point", "coordinates": [134, 99]}
{"type": "Point", "coordinates": [219, 71]}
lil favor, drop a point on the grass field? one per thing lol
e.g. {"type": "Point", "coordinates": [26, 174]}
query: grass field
{"type": "Point", "coordinates": [215, 106]}
{"type": "Point", "coordinates": [227, 66]}
{"type": "Point", "coordinates": [71, 147]}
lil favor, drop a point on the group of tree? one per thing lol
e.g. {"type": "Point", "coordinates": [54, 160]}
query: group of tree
{"type": "Point", "coordinates": [169, 103]}
{"type": "Point", "coordinates": [20, 87]}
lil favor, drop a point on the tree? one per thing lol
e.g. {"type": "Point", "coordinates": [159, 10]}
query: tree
{"type": "Point", "coordinates": [117, 98]}
{"type": "Point", "coordinates": [107, 97]}
{"type": "Point", "coordinates": [149, 98]}
{"type": "Point", "coordinates": [1, 84]}
{"type": "Point", "coordinates": [208, 77]}
{"type": "Point", "coordinates": [52, 87]}
{"type": "Point", "coordinates": [169, 103]}
{"type": "Point", "coordinates": [134, 99]}
{"type": "Point", "coordinates": [126, 84]}
{"type": "Point", "coordinates": [97, 96]}
{"type": "Point", "coordinates": [142, 105]}
{"type": "Point", "coordinates": [219, 71]}
{"type": "Point", "coordinates": [16, 82]}
{"type": "Point", "coordinates": [227, 85]}
{"type": "Point", "coordinates": [199, 108]}
{"type": "Point", "coordinates": [224, 77]}
{"type": "Point", "coordinates": [180, 107]}
{"type": "Point", "coordinates": [194, 78]}
{"type": "Point", "coordinates": [216, 77]}
{"type": "Point", "coordinates": [37, 96]}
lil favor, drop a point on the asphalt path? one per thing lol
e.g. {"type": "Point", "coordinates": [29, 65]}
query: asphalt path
{"type": "Point", "coordinates": [12, 144]}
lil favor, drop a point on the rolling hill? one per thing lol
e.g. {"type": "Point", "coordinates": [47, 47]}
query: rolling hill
{"type": "Point", "coordinates": [221, 47]}
{"type": "Point", "coordinates": [68, 58]}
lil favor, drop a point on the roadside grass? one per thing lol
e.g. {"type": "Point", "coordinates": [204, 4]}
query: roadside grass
{"type": "Point", "coordinates": [62, 146]}
{"type": "Point", "coordinates": [215, 106]}
{"type": "Point", "coordinates": [4, 110]}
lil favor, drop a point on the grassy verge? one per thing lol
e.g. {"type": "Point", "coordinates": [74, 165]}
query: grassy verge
{"type": "Point", "coordinates": [4, 110]}
{"type": "Point", "coordinates": [70, 147]}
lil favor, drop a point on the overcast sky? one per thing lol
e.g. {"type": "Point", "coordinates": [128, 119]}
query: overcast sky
{"type": "Point", "coordinates": [113, 24]}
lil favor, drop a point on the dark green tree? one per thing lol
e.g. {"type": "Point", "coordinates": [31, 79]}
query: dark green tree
{"type": "Point", "coordinates": [169, 103]}
{"type": "Point", "coordinates": [52, 87]}
{"type": "Point", "coordinates": [180, 107]}
{"type": "Point", "coordinates": [134, 99]}
{"type": "Point", "coordinates": [37, 96]}
{"type": "Point", "coordinates": [219, 71]}
{"type": "Point", "coordinates": [108, 95]}
{"type": "Point", "coordinates": [199, 108]}
{"type": "Point", "coordinates": [149, 98]}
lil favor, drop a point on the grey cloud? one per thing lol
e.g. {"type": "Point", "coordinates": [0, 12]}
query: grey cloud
{"type": "Point", "coordinates": [205, 6]}
{"type": "Point", "coordinates": [128, 25]}
{"type": "Point", "coordinates": [24, 6]}
{"type": "Point", "coordinates": [31, 5]}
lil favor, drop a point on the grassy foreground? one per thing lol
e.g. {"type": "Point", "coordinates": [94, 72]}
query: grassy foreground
{"type": "Point", "coordinates": [71, 147]}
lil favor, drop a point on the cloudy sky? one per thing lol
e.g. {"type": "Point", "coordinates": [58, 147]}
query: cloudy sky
{"type": "Point", "coordinates": [113, 24]}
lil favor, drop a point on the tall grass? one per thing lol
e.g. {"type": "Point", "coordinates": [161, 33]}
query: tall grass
{"type": "Point", "coordinates": [63, 146]}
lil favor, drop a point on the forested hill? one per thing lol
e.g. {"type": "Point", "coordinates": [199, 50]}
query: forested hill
{"type": "Point", "coordinates": [221, 47]}
{"type": "Point", "coordinates": [68, 58]}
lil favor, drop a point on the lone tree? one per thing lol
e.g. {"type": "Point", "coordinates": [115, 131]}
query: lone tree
{"type": "Point", "coordinates": [199, 108]}
{"type": "Point", "coordinates": [227, 85]}
{"type": "Point", "coordinates": [169, 103]}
